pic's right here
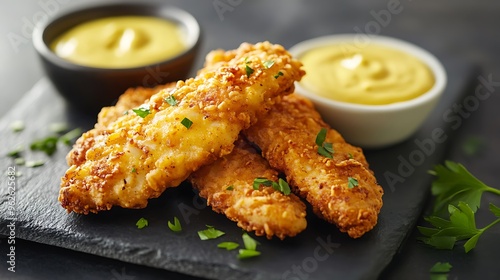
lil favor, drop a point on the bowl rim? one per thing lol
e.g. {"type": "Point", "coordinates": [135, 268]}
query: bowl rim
{"type": "Point", "coordinates": [425, 56]}
{"type": "Point", "coordinates": [175, 14]}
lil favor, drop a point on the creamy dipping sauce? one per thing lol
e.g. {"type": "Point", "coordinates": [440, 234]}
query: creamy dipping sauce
{"type": "Point", "coordinates": [120, 42]}
{"type": "Point", "coordinates": [372, 75]}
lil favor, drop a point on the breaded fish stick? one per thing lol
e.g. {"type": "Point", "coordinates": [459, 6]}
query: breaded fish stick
{"type": "Point", "coordinates": [159, 145]}
{"type": "Point", "coordinates": [341, 190]}
{"type": "Point", "coordinates": [265, 211]}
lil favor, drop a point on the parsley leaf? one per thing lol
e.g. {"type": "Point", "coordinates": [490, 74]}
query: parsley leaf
{"type": "Point", "coordinates": [249, 70]}
{"type": "Point", "coordinates": [17, 126]}
{"type": "Point", "coordinates": [250, 247]}
{"type": "Point", "coordinates": [47, 145]}
{"type": "Point", "coordinates": [210, 233]}
{"type": "Point", "coordinates": [268, 64]}
{"type": "Point", "coordinates": [352, 182]}
{"type": "Point", "coordinates": [141, 223]}
{"type": "Point", "coordinates": [228, 245]}
{"type": "Point", "coordinates": [455, 183]}
{"type": "Point", "coordinates": [461, 226]}
{"type": "Point", "coordinates": [278, 75]}
{"type": "Point", "coordinates": [230, 188]}
{"type": "Point", "coordinates": [142, 111]}
{"type": "Point", "coordinates": [187, 123]}
{"type": "Point", "coordinates": [171, 100]}
{"type": "Point", "coordinates": [440, 267]}
{"type": "Point", "coordinates": [16, 152]}
{"type": "Point", "coordinates": [281, 185]}
{"type": "Point", "coordinates": [439, 271]}
{"type": "Point", "coordinates": [34, 163]}
{"type": "Point", "coordinates": [245, 253]}
{"type": "Point", "coordinates": [70, 135]}
{"type": "Point", "coordinates": [324, 149]}
{"type": "Point", "coordinates": [176, 226]}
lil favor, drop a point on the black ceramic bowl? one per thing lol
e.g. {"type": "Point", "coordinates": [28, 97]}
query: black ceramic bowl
{"type": "Point", "coordinates": [90, 88]}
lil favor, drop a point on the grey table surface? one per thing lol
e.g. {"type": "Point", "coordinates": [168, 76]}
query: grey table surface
{"type": "Point", "coordinates": [463, 29]}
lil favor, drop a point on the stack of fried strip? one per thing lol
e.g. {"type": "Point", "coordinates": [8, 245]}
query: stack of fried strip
{"type": "Point", "coordinates": [287, 138]}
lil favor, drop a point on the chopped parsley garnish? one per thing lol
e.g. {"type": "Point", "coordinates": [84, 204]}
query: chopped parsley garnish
{"type": "Point", "coordinates": [228, 245]}
{"type": "Point", "coordinates": [16, 152]}
{"type": "Point", "coordinates": [176, 226]}
{"type": "Point", "coordinates": [141, 223]}
{"type": "Point", "coordinates": [47, 145]}
{"type": "Point", "coordinates": [134, 170]}
{"type": "Point", "coordinates": [230, 188]}
{"type": "Point", "coordinates": [248, 69]}
{"type": "Point", "coordinates": [324, 149]}
{"type": "Point", "coordinates": [58, 127]}
{"type": "Point", "coordinates": [268, 63]}
{"type": "Point", "coordinates": [19, 161]}
{"type": "Point", "coordinates": [171, 100]}
{"type": "Point", "coordinates": [245, 254]}
{"type": "Point", "coordinates": [17, 126]}
{"type": "Point", "coordinates": [250, 247]}
{"type": "Point", "coordinates": [142, 111]}
{"type": "Point", "coordinates": [350, 156]}
{"type": "Point", "coordinates": [352, 182]}
{"type": "Point", "coordinates": [34, 163]}
{"type": "Point", "coordinates": [454, 183]}
{"type": "Point", "coordinates": [281, 185]}
{"type": "Point", "coordinates": [210, 233]}
{"type": "Point", "coordinates": [187, 123]}
{"type": "Point", "coordinates": [70, 135]}
{"type": "Point", "coordinates": [278, 75]}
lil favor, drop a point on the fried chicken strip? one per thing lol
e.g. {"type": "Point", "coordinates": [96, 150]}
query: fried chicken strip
{"type": "Point", "coordinates": [266, 211]}
{"type": "Point", "coordinates": [287, 138]}
{"type": "Point", "coordinates": [137, 157]}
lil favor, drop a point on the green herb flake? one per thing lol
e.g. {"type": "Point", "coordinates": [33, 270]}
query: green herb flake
{"type": "Point", "coordinates": [47, 145]}
{"type": "Point", "coordinates": [17, 126]}
{"type": "Point", "coordinates": [210, 233]}
{"type": "Point", "coordinates": [324, 149]}
{"type": "Point", "coordinates": [134, 170]}
{"type": "Point", "coordinates": [350, 156]}
{"type": "Point", "coordinates": [352, 182]}
{"type": "Point", "coordinates": [142, 111]}
{"type": "Point", "coordinates": [34, 163]}
{"type": "Point", "coordinates": [125, 113]}
{"type": "Point", "coordinates": [249, 70]}
{"type": "Point", "coordinates": [268, 63]}
{"type": "Point", "coordinates": [230, 188]}
{"type": "Point", "coordinates": [278, 75]}
{"type": "Point", "coordinates": [250, 243]}
{"type": "Point", "coordinates": [187, 123]}
{"type": "Point", "coordinates": [176, 226]}
{"type": "Point", "coordinates": [171, 100]}
{"type": "Point", "coordinates": [70, 135]}
{"type": "Point", "coordinates": [261, 181]}
{"type": "Point", "coordinates": [59, 127]}
{"type": "Point", "coordinates": [16, 152]}
{"type": "Point", "coordinates": [440, 267]}
{"type": "Point", "coordinates": [245, 254]}
{"type": "Point", "coordinates": [282, 186]}
{"type": "Point", "coordinates": [228, 245]}
{"type": "Point", "coordinates": [19, 161]}
{"type": "Point", "coordinates": [142, 223]}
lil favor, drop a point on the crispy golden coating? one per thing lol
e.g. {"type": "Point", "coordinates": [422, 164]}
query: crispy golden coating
{"type": "Point", "coordinates": [135, 158]}
{"type": "Point", "coordinates": [287, 138]}
{"type": "Point", "coordinates": [265, 211]}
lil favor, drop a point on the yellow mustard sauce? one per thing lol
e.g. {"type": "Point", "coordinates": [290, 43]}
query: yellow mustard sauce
{"type": "Point", "coordinates": [372, 75]}
{"type": "Point", "coordinates": [120, 42]}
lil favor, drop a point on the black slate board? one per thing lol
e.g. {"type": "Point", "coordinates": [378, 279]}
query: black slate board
{"type": "Point", "coordinates": [320, 252]}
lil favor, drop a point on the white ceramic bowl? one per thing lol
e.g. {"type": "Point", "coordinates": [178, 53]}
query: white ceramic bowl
{"type": "Point", "coordinates": [375, 126]}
